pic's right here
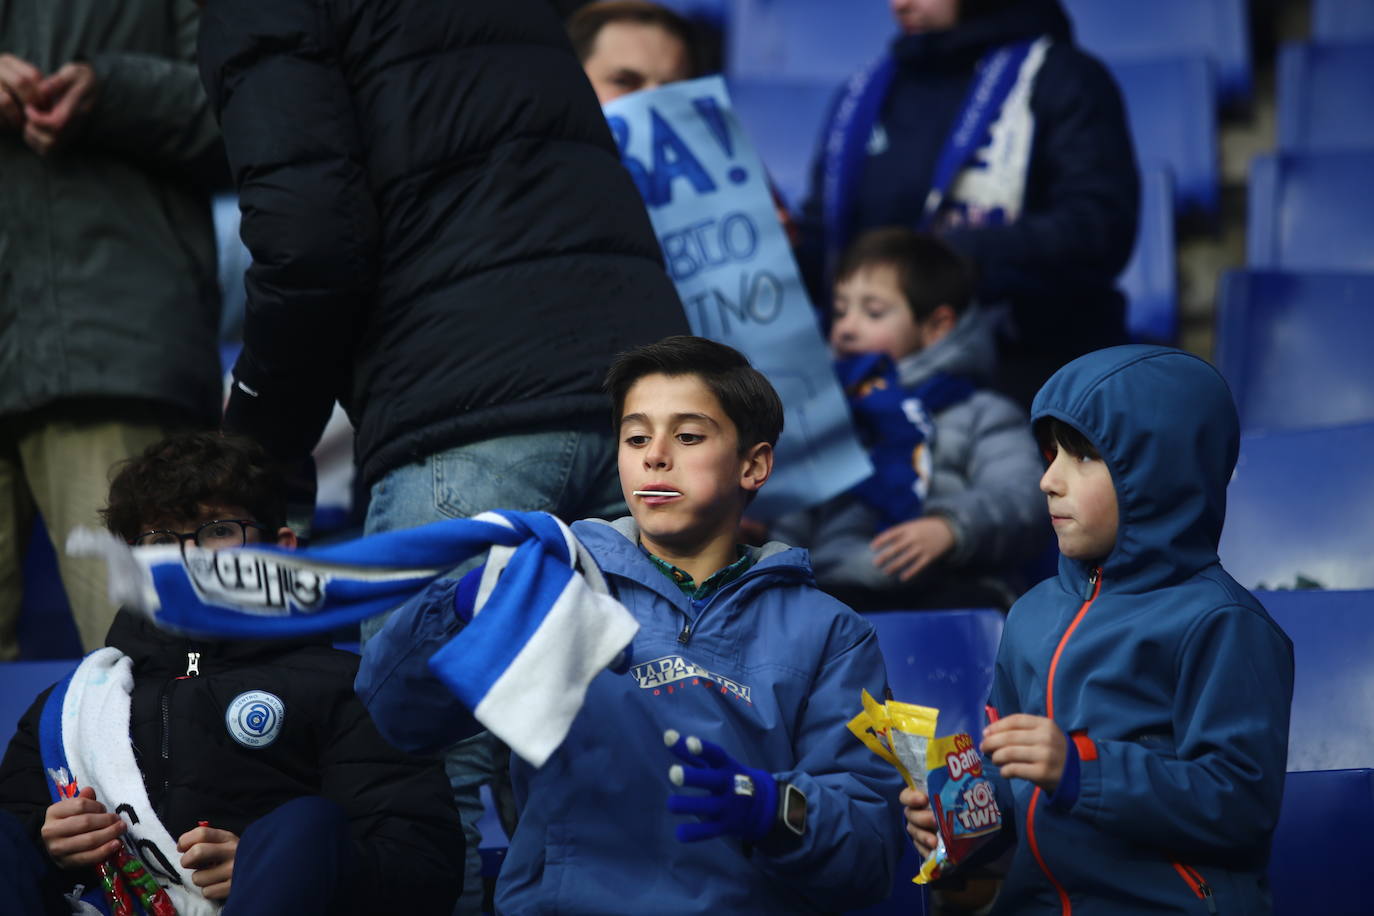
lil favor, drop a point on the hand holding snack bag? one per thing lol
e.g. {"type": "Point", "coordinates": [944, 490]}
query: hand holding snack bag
{"type": "Point", "coordinates": [949, 770]}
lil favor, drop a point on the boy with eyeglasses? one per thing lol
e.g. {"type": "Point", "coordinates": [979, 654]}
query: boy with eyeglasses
{"type": "Point", "coordinates": [277, 792]}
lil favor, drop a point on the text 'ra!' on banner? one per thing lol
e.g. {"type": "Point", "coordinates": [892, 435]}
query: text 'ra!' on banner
{"type": "Point", "coordinates": [708, 197]}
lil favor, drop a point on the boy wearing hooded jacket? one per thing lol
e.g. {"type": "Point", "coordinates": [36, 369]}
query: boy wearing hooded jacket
{"type": "Point", "coordinates": [1139, 708]}
{"type": "Point", "coordinates": [761, 802]}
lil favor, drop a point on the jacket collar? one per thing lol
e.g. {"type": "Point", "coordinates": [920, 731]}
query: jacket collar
{"type": "Point", "coordinates": [616, 548]}
{"type": "Point", "coordinates": [160, 652]}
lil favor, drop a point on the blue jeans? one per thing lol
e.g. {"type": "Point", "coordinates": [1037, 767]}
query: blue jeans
{"type": "Point", "coordinates": [570, 472]}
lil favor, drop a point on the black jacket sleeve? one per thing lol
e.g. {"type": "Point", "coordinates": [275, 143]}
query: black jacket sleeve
{"type": "Point", "coordinates": [309, 219]}
{"type": "Point", "coordinates": [24, 795]}
{"type": "Point", "coordinates": [23, 789]}
{"type": "Point", "coordinates": [1078, 224]}
{"type": "Point", "coordinates": [401, 813]}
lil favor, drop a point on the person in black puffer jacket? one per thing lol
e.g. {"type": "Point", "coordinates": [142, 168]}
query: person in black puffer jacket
{"type": "Point", "coordinates": [304, 808]}
{"type": "Point", "coordinates": [445, 241]}
{"type": "Point", "coordinates": [443, 236]}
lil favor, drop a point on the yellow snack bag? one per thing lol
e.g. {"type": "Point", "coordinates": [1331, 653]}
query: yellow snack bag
{"type": "Point", "coordinates": [949, 770]}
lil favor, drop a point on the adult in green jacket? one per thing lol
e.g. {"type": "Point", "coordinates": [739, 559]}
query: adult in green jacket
{"type": "Point", "coordinates": [108, 295]}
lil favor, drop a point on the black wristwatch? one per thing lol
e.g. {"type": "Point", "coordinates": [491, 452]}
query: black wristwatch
{"type": "Point", "coordinates": [791, 817]}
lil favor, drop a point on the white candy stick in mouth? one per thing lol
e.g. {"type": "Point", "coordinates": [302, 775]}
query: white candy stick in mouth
{"type": "Point", "coordinates": [656, 493]}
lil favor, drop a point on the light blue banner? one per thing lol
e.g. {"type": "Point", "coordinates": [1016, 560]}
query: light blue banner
{"type": "Point", "coordinates": [708, 198]}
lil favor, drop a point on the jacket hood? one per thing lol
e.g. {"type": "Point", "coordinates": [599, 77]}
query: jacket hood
{"type": "Point", "coordinates": [1166, 425]}
{"type": "Point", "coordinates": [156, 651]}
{"type": "Point", "coordinates": [971, 39]}
{"type": "Point", "coordinates": [970, 349]}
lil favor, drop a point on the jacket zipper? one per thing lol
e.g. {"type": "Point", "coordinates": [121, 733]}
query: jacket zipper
{"type": "Point", "coordinates": [1095, 581]}
{"type": "Point", "coordinates": [684, 635]}
{"type": "Point", "coordinates": [1197, 884]}
{"type": "Point", "coordinates": [192, 670]}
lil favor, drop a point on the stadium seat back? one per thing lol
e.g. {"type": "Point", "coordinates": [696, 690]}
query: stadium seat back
{"type": "Point", "coordinates": [806, 39]}
{"type": "Point", "coordinates": [1332, 726]}
{"type": "Point", "coordinates": [1323, 846]}
{"type": "Point", "coordinates": [1299, 508]}
{"type": "Point", "coordinates": [715, 13]}
{"type": "Point", "coordinates": [1150, 280]}
{"type": "Point", "coordinates": [1218, 30]}
{"type": "Point", "coordinates": [784, 120]}
{"type": "Point", "coordinates": [1342, 20]}
{"type": "Point", "coordinates": [942, 659]}
{"type": "Point", "coordinates": [1171, 104]}
{"type": "Point", "coordinates": [20, 685]}
{"type": "Point", "coordinates": [1294, 348]}
{"type": "Point", "coordinates": [1312, 211]}
{"type": "Point", "coordinates": [1324, 93]}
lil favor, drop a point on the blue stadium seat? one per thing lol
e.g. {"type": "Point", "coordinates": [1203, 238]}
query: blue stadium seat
{"type": "Point", "coordinates": [784, 119]}
{"type": "Point", "coordinates": [1219, 30]}
{"type": "Point", "coordinates": [1324, 96]}
{"type": "Point", "coordinates": [1342, 20]}
{"type": "Point", "coordinates": [1294, 347]}
{"type": "Point", "coordinates": [1322, 847]}
{"type": "Point", "coordinates": [1171, 103]}
{"type": "Point", "coordinates": [942, 659]}
{"type": "Point", "coordinates": [713, 12]}
{"type": "Point", "coordinates": [1150, 280]}
{"type": "Point", "coordinates": [1333, 694]}
{"type": "Point", "coordinates": [806, 39]}
{"type": "Point", "coordinates": [1312, 211]}
{"type": "Point", "coordinates": [46, 628]}
{"type": "Point", "coordinates": [1300, 505]}
{"type": "Point", "coordinates": [20, 685]}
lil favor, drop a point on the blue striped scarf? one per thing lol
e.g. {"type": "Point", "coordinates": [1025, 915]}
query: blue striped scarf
{"type": "Point", "coordinates": [541, 631]}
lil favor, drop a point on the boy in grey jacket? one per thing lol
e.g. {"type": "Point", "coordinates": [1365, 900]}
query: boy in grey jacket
{"type": "Point", "coordinates": [952, 511]}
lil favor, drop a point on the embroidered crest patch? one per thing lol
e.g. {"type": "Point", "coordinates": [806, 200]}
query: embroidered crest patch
{"type": "Point", "coordinates": [254, 718]}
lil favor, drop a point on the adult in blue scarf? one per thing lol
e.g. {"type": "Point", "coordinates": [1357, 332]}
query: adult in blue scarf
{"type": "Point", "coordinates": [984, 123]}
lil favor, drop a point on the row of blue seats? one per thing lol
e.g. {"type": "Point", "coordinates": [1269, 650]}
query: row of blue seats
{"type": "Point", "coordinates": [822, 39]}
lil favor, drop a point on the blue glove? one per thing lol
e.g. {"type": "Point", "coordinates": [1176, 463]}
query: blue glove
{"type": "Point", "coordinates": [743, 801]}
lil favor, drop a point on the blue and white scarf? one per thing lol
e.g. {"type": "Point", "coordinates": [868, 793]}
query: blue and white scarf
{"type": "Point", "coordinates": [897, 426]}
{"type": "Point", "coordinates": [994, 122]}
{"type": "Point", "coordinates": [83, 734]}
{"type": "Point", "coordinates": [544, 624]}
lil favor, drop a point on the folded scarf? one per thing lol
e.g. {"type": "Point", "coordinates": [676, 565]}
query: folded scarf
{"type": "Point", "coordinates": [84, 739]}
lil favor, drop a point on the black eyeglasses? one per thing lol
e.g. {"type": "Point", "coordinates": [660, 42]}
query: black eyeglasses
{"type": "Point", "coordinates": [216, 535]}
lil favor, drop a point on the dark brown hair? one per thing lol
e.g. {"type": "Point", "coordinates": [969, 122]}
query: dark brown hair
{"type": "Point", "coordinates": [1052, 431]}
{"type": "Point", "coordinates": [745, 395]}
{"type": "Point", "coordinates": [929, 272]}
{"type": "Point", "coordinates": [587, 23]}
{"type": "Point", "coordinates": [176, 478]}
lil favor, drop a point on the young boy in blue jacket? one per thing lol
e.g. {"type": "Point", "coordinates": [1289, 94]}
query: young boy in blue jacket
{"type": "Point", "coordinates": [761, 801]}
{"type": "Point", "coordinates": [1139, 709]}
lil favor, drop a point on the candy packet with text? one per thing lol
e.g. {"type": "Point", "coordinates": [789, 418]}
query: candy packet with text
{"type": "Point", "coordinates": [949, 770]}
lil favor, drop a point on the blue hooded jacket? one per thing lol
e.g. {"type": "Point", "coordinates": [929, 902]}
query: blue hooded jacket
{"type": "Point", "coordinates": [767, 667]}
{"type": "Point", "coordinates": [1171, 679]}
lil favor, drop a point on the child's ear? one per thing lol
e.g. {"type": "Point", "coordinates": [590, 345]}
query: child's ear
{"type": "Point", "coordinates": [756, 466]}
{"type": "Point", "coordinates": [287, 538]}
{"type": "Point", "coordinates": [938, 324]}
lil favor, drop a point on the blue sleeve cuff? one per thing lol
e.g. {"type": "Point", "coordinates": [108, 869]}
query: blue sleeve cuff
{"type": "Point", "coordinates": [465, 595]}
{"type": "Point", "coordinates": [1067, 793]}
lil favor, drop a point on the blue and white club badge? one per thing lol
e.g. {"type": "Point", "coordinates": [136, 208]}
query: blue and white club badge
{"type": "Point", "coordinates": [254, 718]}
